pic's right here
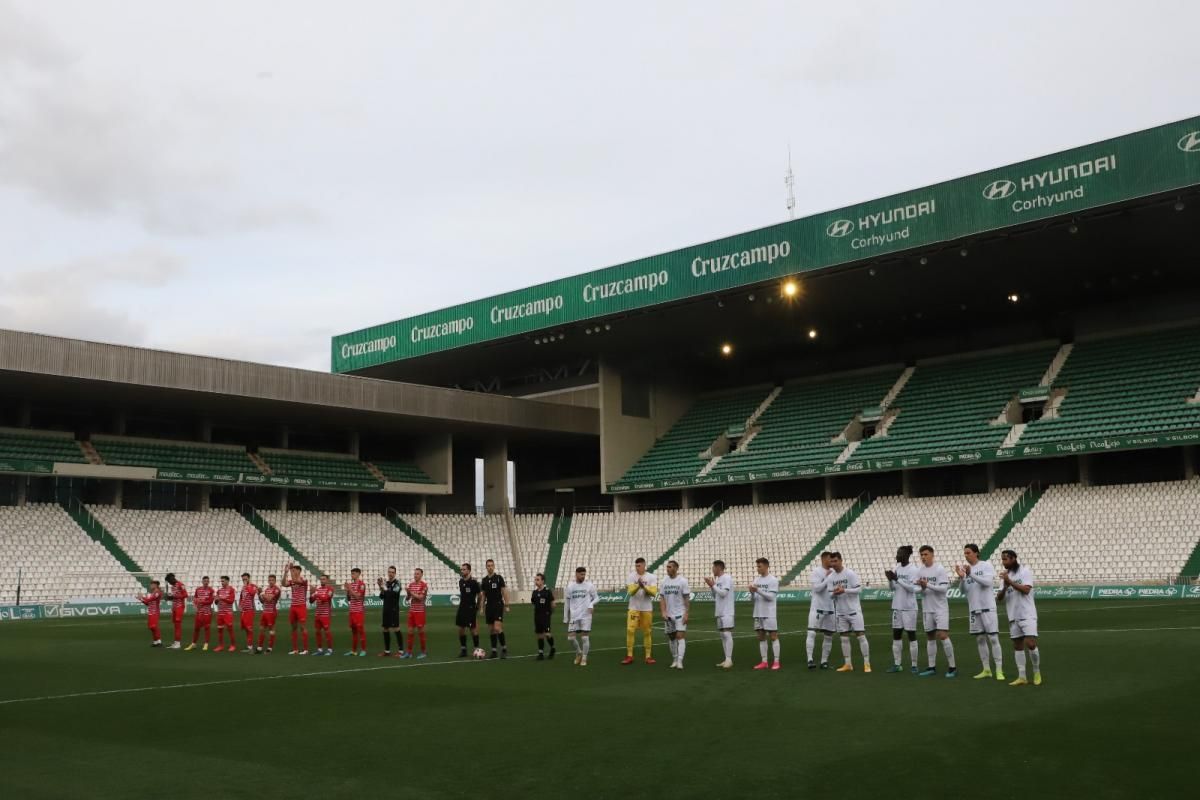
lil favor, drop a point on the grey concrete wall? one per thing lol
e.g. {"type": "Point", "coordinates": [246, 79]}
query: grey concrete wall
{"type": "Point", "coordinates": [623, 440]}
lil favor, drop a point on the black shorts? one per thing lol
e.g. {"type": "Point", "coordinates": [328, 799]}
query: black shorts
{"type": "Point", "coordinates": [465, 617]}
{"type": "Point", "coordinates": [391, 617]}
{"type": "Point", "coordinates": [494, 613]}
{"type": "Point", "coordinates": [541, 624]}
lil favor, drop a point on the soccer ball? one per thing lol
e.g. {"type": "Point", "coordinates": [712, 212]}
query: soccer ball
{"type": "Point", "coordinates": [479, 654]}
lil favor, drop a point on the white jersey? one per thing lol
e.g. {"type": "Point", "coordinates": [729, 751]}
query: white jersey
{"type": "Point", "coordinates": [580, 598]}
{"type": "Point", "coordinates": [764, 598]}
{"type": "Point", "coordinates": [1020, 606]}
{"type": "Point", "coordinates": [641, 598]}
{"type": "Point", "coordinates": [674, 592]}
{"type": "Point", "coordinates": [723, 596]}
{"type": "Point", "coordinates": [848, 601]}
{"type": "Point", "coordinates": [978, 587]}
{"type": "Point", "coordinates": [822, 600]}
{"type": "Point", "coordinates": [934, 595]}
{"type": "Point", "coordinates": [904, 588]}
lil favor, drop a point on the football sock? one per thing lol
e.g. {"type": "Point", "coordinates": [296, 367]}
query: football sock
{"type": "Point", "coordinates": [897, 651]}
{"type": "Point", "coordinates": [913, 650]}
{"type": "Point", "coordinates": [1019, 655]}
{"type": "Point", "coordinates": [762, 649]}
{"type": "Point", "coordinates": [271, 643]}
{"type": "Point", "coordinates": [647, 641]}
{"type": "Point", "coordinates": [826, 648]}
{"type": "Point", "coordinates": [846, 649]}
{"type": "Point", "coordinates": [681, 647]}
{"type": "Point", "coordinates": [495, 640]}
{"type": "Point", "coordinates": [1035, 657]}
{"type": "Point", "coordinates": [775, 649]}
{"type": "Point", "coordinates": [387, 641]}
{"type": "Point", "coordinates": [727, 644]}
{"type": "Point", "coordinates": [550, 639]}
{"type": "Point", "coordinates": [630, 633]}
{"type": "Point", "coordinates": [948, 649]}
{"type": "Point", "coordinates": [931, 653]}
{"type": "Point", "coordinates": [462, 641]}
{"type": "Point", "coordinates": [997, 653]}
{"type": "Point", "coordinates": [864, 647]}
{"type": "Point", "coordinates": [982, 644]}
{"type": "Point", "coordinates": [541, 645]}
{"type": "Point", "coordinates": [587, 645]}
{"type": "Point", "coordinates": [810, 643]}
{"type": "Point", "coordinates": [503, 640]}
{"type": "Point", "coordinates": [575, 644]}
{"type": "Point", "coordinates": [422, 641]}
{"type": "Point", "coordinates": [475, 639]}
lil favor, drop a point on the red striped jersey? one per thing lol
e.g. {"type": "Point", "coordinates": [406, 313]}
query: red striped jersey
{"type": "Point", "coordinates": [270, 598]}
{"type": "Point", "coordinates": [299, 593]}
{"type": "Point", "coordinates": [356, 591]}
{"type": "Point", "coordinates": [416, 588]}
{"type": "Point", "coordinates": [179, 595]}
{"type": "Point", "coordinates": [153, 602]}
{"type": "Point", "coordinates": [246, 597]}
{"type": "Point", "coordinates": [226, 595]}
{"type": "Point", "coordinates": [324, 597]}
{"type": "Point", "coordinates": [203, 598]}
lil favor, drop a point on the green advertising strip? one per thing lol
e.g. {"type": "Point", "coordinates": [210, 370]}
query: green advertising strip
{"type": "Point", "coordinates": [1099, 444]}
{"type": "Point", "coordinates": [125, 608]}
{"type": "Point", "coordinates": [268, 480]}
{"type": "Point", "coordinates": [1141, 164]}
{"type": "Point", "coordinates": [1065, 591]}
{"type": "Point", "coordinates": [39, 467]}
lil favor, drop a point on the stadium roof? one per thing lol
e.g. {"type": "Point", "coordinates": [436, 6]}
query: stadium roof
{"type": "Point", "coordinates": [1073, 182]}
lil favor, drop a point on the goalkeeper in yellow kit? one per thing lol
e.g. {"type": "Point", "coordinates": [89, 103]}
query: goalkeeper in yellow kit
{"type": "Point", "coordinates": [642, 587]}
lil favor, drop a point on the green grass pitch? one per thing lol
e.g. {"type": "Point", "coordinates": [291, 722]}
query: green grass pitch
{"type": "Point", "coordinates": [88, 710]}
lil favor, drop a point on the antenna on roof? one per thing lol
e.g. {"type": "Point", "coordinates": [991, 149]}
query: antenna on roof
{"type": "Point", "coordinates": [789, 180]}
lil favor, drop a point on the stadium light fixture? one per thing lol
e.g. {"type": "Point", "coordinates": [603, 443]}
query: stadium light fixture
{"type": "Point", "coordinates": [727, 349]}
{"type": "Point", "coordinates": [791, 289]}
{"type": "Point", "coordinates": [607, 326]}
{"type": "Point", "coordinates": [1073, 227]}
{"type": "Point", "coordinates": [963, 252]}
{"type": "Point", "coordinates": [1179, 205]}
{"type": "Point", "coordinates": [871, 272]}
{"type": "Point", "coordinates": [1014, 298]}
{"type": "Point", "coordinates": [924, 260]}
{"type": "Point", "coordinates": [812, 333]}
{"type": "Point", "coordinates": [751, 298]}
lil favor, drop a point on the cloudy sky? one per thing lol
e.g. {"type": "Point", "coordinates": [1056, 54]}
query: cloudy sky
{"type": "Point", "coordinates": [247, 178]}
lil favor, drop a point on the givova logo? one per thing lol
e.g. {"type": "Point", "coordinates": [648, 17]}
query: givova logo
{"type": "Point", "coordinates": [998, 190]}
{"type": "Point", "coordinates": [1190, 142]}
{"type": "Point", "coordinates": [839, 228]}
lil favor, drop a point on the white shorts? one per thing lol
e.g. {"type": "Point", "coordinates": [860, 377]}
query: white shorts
{"type": "Point", "coordinates": [725, 623]}
{"type": "Point", "coordinates": [583, 625]}
{"type": "Point", "coordinates": [984, 622]}
{"type": "Point", "coordinates": [904, 619]}
{"type": "Point", "coordinates": [674, 625]}
{"type": "Point", "coordinates": [850, 622]}
{"type": "Point", "coordinates": [767, 624]}
{"type": "Point", "coordinates": [1020, 628]}
{"type": "Point", "coordinates": [936, 620]}
{"type": "Point", "coordinates": [820, 620]}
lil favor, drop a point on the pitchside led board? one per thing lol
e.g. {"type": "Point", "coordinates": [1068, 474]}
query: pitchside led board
{"type": "Point", "coordinates": [1150, 162]}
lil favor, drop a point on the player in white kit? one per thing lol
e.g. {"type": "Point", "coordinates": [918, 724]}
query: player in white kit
{"type": "Point", "coordinates": [978, 578]}
{"type": "Point", "coordinates": [675, 603]}
{"type": "Point", "coordinates": [1022, 616]}
{"type": "Point", "coordinates": [902, 580]}
{"type": "Point", "coordinates": [820, 613]}
{"type": "Point", "coordinates": [580, 603]}
{"type": "Point", "coordinates": [765, 591]}
{"type": "Point", "coordinates": [934, 584]}
{"type": "Point", "coordinates": [722, 589]}
{"type": "Point", "coordinates": [846, 588]}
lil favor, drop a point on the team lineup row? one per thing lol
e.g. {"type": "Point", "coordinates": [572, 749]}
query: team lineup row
{"type": "Point", "coordinates": [835, 610]}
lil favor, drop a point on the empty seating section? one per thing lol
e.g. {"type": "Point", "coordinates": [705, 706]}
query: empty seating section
{"type": "Point", "coordinates": [470, 538]}
{"type": "Point", "coordinates": [22, 445]}
{"type": "Point", "coordinates": [1135, 384]}
{"type": "Point", "coordinates": [949, 406]}
{"type": "Point", "coordinates": [797, 427]}
{"type": "Point", "coordinates": [780, 532]}
{"type": "Point", "coordinates": [677, 453]}
{"type": "Point", "coordinates": [337, 542]}
{"type": "Point", "coordinates": [193, 544]}
{"type": "Point", "coordinates": [1119, 534]}
{"type": "Point", "coordinates": [315, 466]}
{"type": "Point", "coordinates": [175, 456]}
{"type": "Point", "coordinates": [533, 540]}
{"type": "Point", "coordinates": [607, 543]}
{"type": "Point", "coordinates": [402, 471]}
{"type": "Point", "coordinates": [943, 523]}
{"type": "Point", "coordinates": [56, 560]}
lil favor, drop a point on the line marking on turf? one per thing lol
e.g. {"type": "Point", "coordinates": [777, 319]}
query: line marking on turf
{"type": "Point", "coordinates": [322, 673]}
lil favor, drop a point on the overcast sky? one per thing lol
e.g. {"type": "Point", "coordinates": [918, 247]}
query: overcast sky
{"type": "Point", "coordinates": [246, 179]}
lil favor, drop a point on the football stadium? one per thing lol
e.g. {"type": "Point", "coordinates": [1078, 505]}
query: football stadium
{"type": "Point", "coordinates": [1009, 360]}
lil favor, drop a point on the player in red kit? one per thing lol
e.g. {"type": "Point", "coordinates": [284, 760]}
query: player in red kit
{"type": "Point", "coordinates": [153, 601]}
{"type": "Point", "coordinates": [202, 599]}
{"type": "Point", "coordinates": [298, 613]}
{"type": "Point", "coordinates": [416, 592]}
{"type": "Point", "coordinates": [322, 596]}
{"type": "Point", "coordinates": [179, 596]}
{"type": "Point", "coordinates": [356, 592]}
{"type": "Point", "coordinates": [269, 595]}
{"type": "Point", "coordinates": [226, 597]}
{"type": "Point", "coordinates": [246, 597]}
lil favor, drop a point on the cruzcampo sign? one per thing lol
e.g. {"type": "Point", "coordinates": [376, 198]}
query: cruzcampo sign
{"type": "Point", "coordinates": [1149, 162]}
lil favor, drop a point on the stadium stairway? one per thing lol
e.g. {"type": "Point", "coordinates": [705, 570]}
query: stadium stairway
{"type": "Point", "coordinates": [420, 538]}
{"type": "Point", "coordinates": [860, 504]}
{"type": "Point", "coordinates": [272, 533]}
{"type": "Point", "coordinates": [92, 526]}
{"type": "Point", "coordinates": [560, 531]}
{"type": "Point", "coordinates": [1191, 568]}
{"type": "Point", "coordinates": [709, 518]}
{"type": "Point", "coordinates": [1015, 515]}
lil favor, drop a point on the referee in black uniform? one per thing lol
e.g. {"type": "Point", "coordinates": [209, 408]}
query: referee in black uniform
{"type": "Point", "coordinates": [543, 607]}
{"type": "Point", "coordinates": [467, 617]}
{"type": "Point", "coordinates": [495, 600]}
{"type": "Point", "coordinates": [389, 593]}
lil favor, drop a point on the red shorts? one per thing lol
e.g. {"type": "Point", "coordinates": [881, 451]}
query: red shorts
{"type": "Point", "coordinates": [298, 614]}
{"type": "Point", "coordinates": [152, 621]}
{"type": "Point", "coordinates": [268, 619]}
{"type": "Point", "coordinates": [247, 619]}
{"type": "Point", "coordinates": [357, 619]}
{"type": "Point", "coordinates": [203, 620]}
{"type": "Point", "coordinates": [416, 619]}
{"type": "Point", "coordinates": [177, 614]}
{"type": "Point", "coordinates": [322, 623]}
{"type": "Point", "coordinates": [225, 619]}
